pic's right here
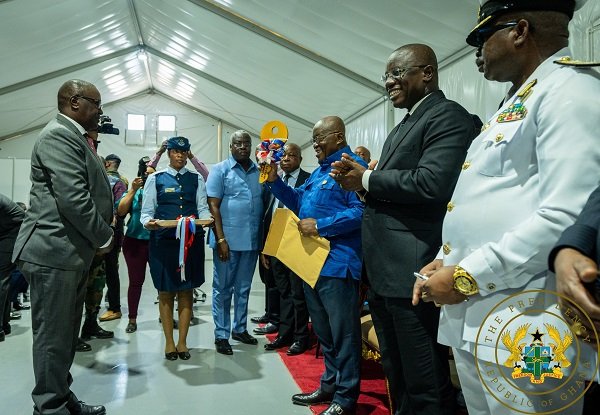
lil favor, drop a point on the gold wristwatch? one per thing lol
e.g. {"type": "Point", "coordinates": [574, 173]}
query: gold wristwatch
{"type": "Point", "coordinates": [464, 283]}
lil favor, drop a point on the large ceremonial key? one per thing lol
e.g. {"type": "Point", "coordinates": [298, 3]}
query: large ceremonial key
{"type": "Point", "coordinates": [273, 136]}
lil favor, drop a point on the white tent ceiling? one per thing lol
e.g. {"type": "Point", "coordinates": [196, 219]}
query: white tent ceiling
{"type": "Point", "coordinates": [240, 61]}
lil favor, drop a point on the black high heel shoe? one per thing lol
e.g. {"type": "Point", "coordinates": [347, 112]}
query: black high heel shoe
{"type": "Point", "coordinates": [171, 356]}
{"type": "Point", "coordinates": [184, 355]}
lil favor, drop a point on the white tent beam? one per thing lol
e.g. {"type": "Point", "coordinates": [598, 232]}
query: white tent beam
{"type": "Point", "coordinates": [287, 43]}
{"type": "Point", "coordinates": [40, 126]}
{"type": "Point", "coordinates": [229, 87]}
{"type": "Point", "coordinates": [63, 71]}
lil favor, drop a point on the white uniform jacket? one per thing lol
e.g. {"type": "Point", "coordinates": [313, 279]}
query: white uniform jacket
{"type": "Point", "coordinates": [522, 184]}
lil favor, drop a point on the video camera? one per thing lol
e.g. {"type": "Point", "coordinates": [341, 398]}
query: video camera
{"type": "Point", "coordinates": [106, 126]}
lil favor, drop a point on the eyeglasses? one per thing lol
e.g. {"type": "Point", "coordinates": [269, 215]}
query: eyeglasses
{"type": "Point", "coordinates": [483, 34]}
{"type": "Point", "coordinates": [398, 73]}
{"type": "Point", "coordinates": [96, 102]}
{"type": "Point", "coordinates": [242, 144]}
{"type": "Point", "coordinates": [320, 138]}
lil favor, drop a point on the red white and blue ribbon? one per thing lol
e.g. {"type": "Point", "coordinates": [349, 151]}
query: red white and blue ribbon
{"type": "Point", "coordinates": [186, 229]}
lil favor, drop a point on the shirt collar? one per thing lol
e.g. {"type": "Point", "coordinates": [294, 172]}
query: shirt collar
{"type": "Point", "coordinates": [414, 107]}
{"type": "Point", "coordinates": [335, 156]}
{"type": "Point", "coordinates": [174, 172]}
{"type": "Point", "coordinates": [75, 123]}
{"type": "Point", "coordinates": [293, 174]}
{"type": "Point", "coordinates": [233, 162]}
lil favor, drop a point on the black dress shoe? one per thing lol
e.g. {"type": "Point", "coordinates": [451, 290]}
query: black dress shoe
{"type": "Point", "coordinates": [268, 329]}
{"type": "Point", "coordinates": [184, 355]}
{"type": "Point", "coordinates": [314, 398]}
{"type": "Point", "coordinates": [244, 337]}
{"type": "Point", "coordinates": [6, 329]}
{"type": "Point", "coordinates": [19, 306]}
{"type": "Point", "coordinates": [278, 343]}
{"type": "Point", "coordinates": [223, 346]}
{"type": "Point", "coordinates": [264, 319]}
{"type": "Point", "coordinates": [171, 356]}
{"type": "Point", "coordinates": [93, 329]}
{"type": "Point", "coordinates": [336, 409]}
{"type": "Point", "coordinates": [80, 408]}
{"type": "Point", "coordinates": [82, 346]}
{"type": "Point", "coordinates": [15, 315]}
{"type": "Point", "coordinates": [298, 347]}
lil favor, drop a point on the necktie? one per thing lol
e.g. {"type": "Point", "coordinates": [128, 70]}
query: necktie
{"type": "Point", "coordinates": [405, 118]}
{"type": "Point", "coordinates": [90, 143]}
{"type": "Point", "coordinates": [286, 179]}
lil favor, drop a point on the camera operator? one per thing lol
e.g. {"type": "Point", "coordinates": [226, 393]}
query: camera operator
{"type": "Point", "coordinates": [135, 242]}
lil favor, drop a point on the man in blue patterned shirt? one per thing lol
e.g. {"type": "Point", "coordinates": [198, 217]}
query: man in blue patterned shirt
{"type": "Point", "coordinates": [326, 210]}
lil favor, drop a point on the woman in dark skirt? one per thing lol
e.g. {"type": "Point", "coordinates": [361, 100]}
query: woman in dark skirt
{"type": "Point", "coordinates": [169, 194]}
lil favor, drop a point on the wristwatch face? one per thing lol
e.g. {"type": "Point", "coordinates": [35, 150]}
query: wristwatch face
{"type": "Point", "coordinates": [464, 286]}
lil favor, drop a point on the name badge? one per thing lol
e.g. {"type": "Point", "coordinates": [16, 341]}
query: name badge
{"type": "Point", "coordinates": [169, 189]}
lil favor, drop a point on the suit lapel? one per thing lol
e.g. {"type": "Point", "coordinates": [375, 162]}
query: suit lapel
{"type": "Point", "coordinates": [385, 152]}
{"type": "Point", "coordinates": [393, 141]}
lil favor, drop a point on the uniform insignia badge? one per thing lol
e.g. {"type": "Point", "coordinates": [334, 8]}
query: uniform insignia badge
{"type": "Point", "coordinates": [537, 358]}
{"type": "Point", "coordinates": [515, 112]}
{"type": "Point", "coordinates": [568, 61]}
{"type": "Point", "coordinates": [181, 142]}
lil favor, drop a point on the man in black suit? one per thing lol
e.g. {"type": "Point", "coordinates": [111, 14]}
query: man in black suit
{"type": "Point", "coordinates": [293, 314]}
{"type": "Point", "coordinates": [11, 216]}
{"type": "Point", "coordinates": [70, 213]}
{"type": "Point", "coordinates": [575, 259]}
{"type": "Point", "coordinates": [406, 198]}
{"type": "Point", "coordinates": [271, 317]}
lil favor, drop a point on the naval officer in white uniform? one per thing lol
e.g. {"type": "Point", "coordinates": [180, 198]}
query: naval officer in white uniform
{"type": "Point", "coordinates": [525, 179]}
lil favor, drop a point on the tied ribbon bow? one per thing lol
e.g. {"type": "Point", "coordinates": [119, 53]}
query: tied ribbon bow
{"type": "Point", "coordinates": [270, 150]}
{"type": "Point", "coordinates": [186, 229]}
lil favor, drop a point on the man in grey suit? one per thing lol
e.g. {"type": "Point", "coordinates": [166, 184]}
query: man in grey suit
{"type": "Point", "coordinates": [68, 221]}
{"type": "Point", "coordinates": [406, 198]}
{"type": "Point", "coordinates": [11, 216]}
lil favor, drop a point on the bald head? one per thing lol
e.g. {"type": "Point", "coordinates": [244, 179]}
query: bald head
{"type": "Point", "coordinates": [329, 135]}
{"type": "Point", "coordinates": [80, 101]}
{"type": "Point", "coordinates": [292, 157]}
{"type": "Point", "coordinates": [363, 153]}
{"type": "Point", "coordinates": [333, 123]}
{"type": "Point", "coordinates": [72, 88]}
{"type": "Point", "coordinates": [419, 54]}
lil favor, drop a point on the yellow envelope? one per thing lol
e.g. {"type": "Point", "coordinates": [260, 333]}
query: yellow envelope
{"type": "Point", "coordinates": [304, 255]}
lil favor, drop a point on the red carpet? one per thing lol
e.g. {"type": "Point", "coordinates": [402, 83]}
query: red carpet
{"type": "Point", "coordinates": [306, 371]}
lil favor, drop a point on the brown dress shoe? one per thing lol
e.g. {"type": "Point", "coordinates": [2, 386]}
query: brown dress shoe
{"type": "Point", "coordinates": [110, 315]}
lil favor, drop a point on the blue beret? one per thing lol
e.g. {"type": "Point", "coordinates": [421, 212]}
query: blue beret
{"type": "Point", "coordinates": [178, 143]}
{"type": "Point", "coordinates": [493, 8]}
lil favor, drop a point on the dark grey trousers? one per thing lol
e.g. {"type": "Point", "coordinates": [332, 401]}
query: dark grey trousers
{"type": "Point", "coordinates": [56, 308]}
{"type": "Point", "coordinates": [6, 267]}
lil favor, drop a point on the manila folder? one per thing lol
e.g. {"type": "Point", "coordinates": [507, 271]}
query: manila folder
{"type": "Point", "coordinates": [304, 255]}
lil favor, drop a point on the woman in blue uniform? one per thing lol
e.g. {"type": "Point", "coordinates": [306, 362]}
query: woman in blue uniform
{"type": "Point", "coordinates": [170, 194]}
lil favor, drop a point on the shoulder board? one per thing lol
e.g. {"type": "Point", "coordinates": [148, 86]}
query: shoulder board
{"type": "Point", "coordinates": [568, 61]}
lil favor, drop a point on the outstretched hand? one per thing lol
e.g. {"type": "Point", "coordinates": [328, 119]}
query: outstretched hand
{"type": "Point", "coordinates": [348, 173]}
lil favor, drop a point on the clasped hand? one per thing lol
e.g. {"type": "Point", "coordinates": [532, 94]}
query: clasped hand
{"type": "Point", "coordinates": [348, 173]}
{"type": "Point", "coordinates": [439, 288]}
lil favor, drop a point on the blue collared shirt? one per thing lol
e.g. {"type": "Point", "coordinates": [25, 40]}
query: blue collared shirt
{"type": "Point", "coordinates": [241, 203]}
{"type": "Point", "coordinates": [338, 214]}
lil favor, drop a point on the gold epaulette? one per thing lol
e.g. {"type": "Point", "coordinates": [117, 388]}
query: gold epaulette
{"type": "Point", "coordinates": [568, 61]}
{"type": "Point", "coordinates": [524, 93]}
